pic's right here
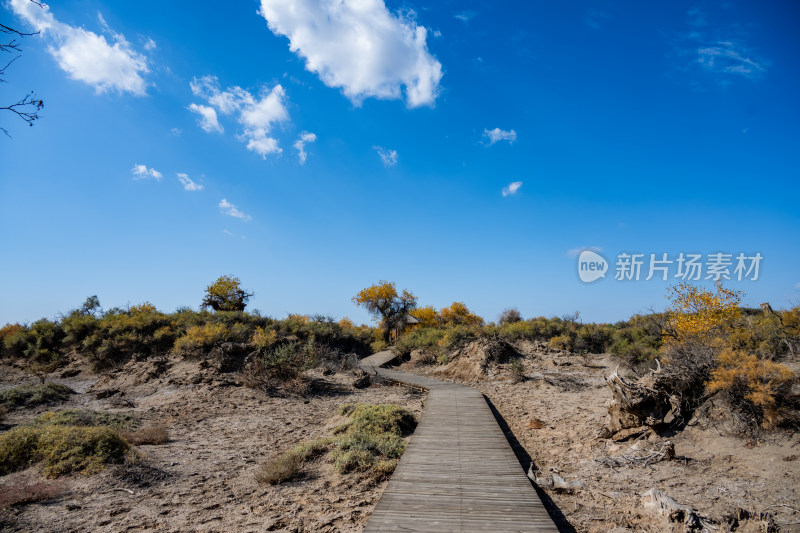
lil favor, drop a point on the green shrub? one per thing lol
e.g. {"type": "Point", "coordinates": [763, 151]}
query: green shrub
{"type": "Point", "coordinates": [373, 434]}
{"type": "Point", "coordinates": [14, 339]}
{"type": "Point", "coordinates": [371, 441]}
{"type": "Point", "coordinates": [77, 326]}
{"type": "Point", "coordinates": [64, 449]}
{"type": "Point", "coordinates": [47, 336]}
{"type": "Point", "coordinates": [199, 339]}
{"type": "Point", "coordinates": [140, 331]}
{"type": "Point", "coordinates": [33, 395]}
{"type": "Point", "coordinates": [287, 465]}
{"type": "Point", "coordinates": [427, 339]}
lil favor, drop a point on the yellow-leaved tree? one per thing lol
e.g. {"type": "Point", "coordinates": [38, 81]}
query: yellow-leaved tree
{"type": "Point", "coordinates": [387, 305]}
{"type": "Point", "coordinates": [226, 294]}
{"type": "Point", "coordinates": [427, 317]}
{"type": "Point", "coordinates": [696, 314]}
{"type": "Point", "coordinates": [702, 357]}
{"type": "Point", "coordinates": [459, 315]}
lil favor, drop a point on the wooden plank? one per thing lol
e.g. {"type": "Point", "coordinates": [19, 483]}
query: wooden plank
{"type": "Point", "coordinates": [458, 472]}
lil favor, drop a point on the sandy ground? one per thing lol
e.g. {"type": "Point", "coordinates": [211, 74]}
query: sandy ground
{"type": "Point", "coordinates": [554, 416]}
{"type": "Point", "coordinates": [203, 478]}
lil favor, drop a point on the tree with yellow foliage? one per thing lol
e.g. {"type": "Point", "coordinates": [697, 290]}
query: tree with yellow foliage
{"type": "Point", "coordinates": [699, 315]}
{"type": "Point", "coordinates": [385, 304]}
{"type": "Point", "coordinates": [459, 315]}
{"type": "Point", "coordinates": [427, 317]}
{"type": "Point", "coordinates": [226, 294]}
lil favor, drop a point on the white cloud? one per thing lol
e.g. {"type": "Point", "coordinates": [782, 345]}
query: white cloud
{"type": "Point", "coordinates": [359, 47]}
{"type": "Point", "coordinates": [188, 183]}
{"type": "Point", "coordinates": [176, 132]}
{"type": "Point", "coordinates": [512, 188]}
{"type": "Point", "coordinates": [150, 45]}
{"type": "Point", "coordinates": [716, 49]}
{"type": "Point", "coordinates": [208, 117]}
{"type": "Point", "coordinates": [141, 172]}
{"type": "Point", "coordinates": [257, 116]}
{"type": "Point", "coordinates": [231, 210]}
{"type": "Point", "coordinates": [389, 157]}
{"type": "Point", "coordinates": [465, 16]}
{"type": "Point", "coordinates": [300, 145]}
{"type": "Point", "coordinates": [797, 285]}
{"type": "Point", "coordinates": [231, 234]}
{"type": "Point", "coordinates": [725, 57]}
{"type": "Point", "coordinates": [86, 56]}
{"type": "Point", "coordinates": [497, 135]}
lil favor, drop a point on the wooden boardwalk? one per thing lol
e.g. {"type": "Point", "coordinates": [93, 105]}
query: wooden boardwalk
{"type": "Point", "coordinates": [458, 472]}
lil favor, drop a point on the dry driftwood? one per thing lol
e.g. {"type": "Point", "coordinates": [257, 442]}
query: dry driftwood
{"type": "Point", "coordinates": [637, 404]}
{"type": "Point", "coordinates": [638, 456]}
{"type": "Point", "coordinates": [553, 481]}
{"type": "Point", "coordinates": [658, 501]}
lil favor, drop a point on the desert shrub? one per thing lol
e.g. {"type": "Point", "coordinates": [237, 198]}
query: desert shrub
{"type": "Point", "coordinates": [140, 331]}
{"type": "Point", "coordinates": [44, 342]}
{"type": "Point", "coordinates": [757, 387]}
{"type": "Point", "coordinates": [369, 442]}
{"type": "Point", "coordinates": [24, 492]}
{"type": "Point", "coordinates": [81, 322]}
{"type": "Point", "coordinates": [372, 437]}
{"type": "Point", "coordinates": [13, 340]}
{"type": "Point", "coordinates": [271, 369]}
{"type": "Point", "coordinates": [3, 413]}
{"type": "Point", "coordinates": [535, 329]}
{"type": "Point", "coordinates": [509, 316]}
{"type": "Point", "coordinates": [768, 335]}
{"type": "Point", "coordinates": [458, 336]}
{"type": "Point", "coordinates": [637, 341]}
{"type": "Point", "coordinates": [288, 465]}
{"type": "Point", "coordinates": [32, 395]}
{"type": "Point", "coordinates": [264, 339]}
{"type": "Point", "coordinates": [149, 434]}
{"type": "Point", "coordinates": [517, 369]}
{"type": "Point", "coordinates": [560, 342]}
{"type": "Point", "coordinates": [426, 339]}
{"type": "Point", "coordinates": [199, 339]}
{"type": "Point", "coordinates": [592, 338]}
{"type": "Point", "coordinates": [64, 449]}
{"type": "Point", "coordinates": [77, 327]}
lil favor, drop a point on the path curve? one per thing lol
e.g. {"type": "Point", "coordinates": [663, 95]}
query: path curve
{"type": "Point", "coordinates": [458, 472]}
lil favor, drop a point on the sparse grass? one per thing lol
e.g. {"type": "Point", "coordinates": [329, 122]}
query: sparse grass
{"type": "Point", "coordinates": [32, 395]}
{"type": "Point", "coordinates": [64, 449]}
{"type": "Point", "coordinates": [287, 465]}
{"type": "Point", "coordinates": [27, 491]}
{"type": "Point", "coordinates": [370, 442]}
{"type": "Point", "coordinates": [149, 434]}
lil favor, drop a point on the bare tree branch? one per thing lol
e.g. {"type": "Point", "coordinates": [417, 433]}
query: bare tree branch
{"type": "Point", "coordinates": [28, 107]}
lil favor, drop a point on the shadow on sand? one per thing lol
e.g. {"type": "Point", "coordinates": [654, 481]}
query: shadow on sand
{"type": "Point", "coordinates": [525, 461]}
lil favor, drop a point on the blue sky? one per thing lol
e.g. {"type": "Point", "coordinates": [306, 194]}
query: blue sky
{"type": "Point", "coordinates": [467, 151]}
